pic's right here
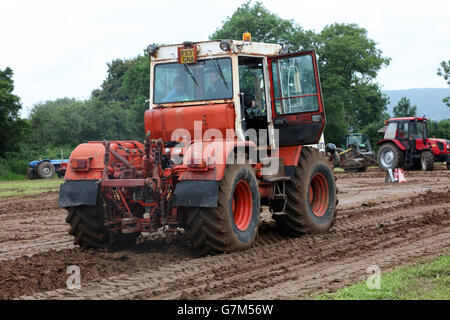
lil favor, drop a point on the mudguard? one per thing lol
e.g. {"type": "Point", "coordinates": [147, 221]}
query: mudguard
{"type": "Point", "coordinates": [196, 194]}
{"type": "Point", "coordinates": [78, 193]}
{"type": "Point", "coordinates": [396, 142]}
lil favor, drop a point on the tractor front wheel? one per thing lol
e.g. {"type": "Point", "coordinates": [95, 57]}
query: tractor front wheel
{"type": "Point", "coordinates": [427, 161]}
{"type": "Point", "coordinates": [233, 225]}
{"type": "Point", "coordinates": [390, 157]}
{"type": "Point", "coordinates": [311, 197]}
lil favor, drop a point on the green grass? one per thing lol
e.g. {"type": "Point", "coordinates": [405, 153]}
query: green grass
{"type": "Point", "coordinates": [420, 281]}
{"type": "Point", "coordinates": [27, 187]}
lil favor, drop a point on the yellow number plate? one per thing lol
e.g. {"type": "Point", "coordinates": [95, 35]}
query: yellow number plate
{"type": "Point", "coordinates": [187, 56]}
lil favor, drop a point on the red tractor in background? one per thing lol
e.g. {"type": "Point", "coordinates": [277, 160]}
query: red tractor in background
{"type": "Point", "coordinates": [406, 145]}
{"type": "Point", "coordinates": [224, 136]}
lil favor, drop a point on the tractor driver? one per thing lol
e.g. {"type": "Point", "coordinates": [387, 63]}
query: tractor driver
{"type": "Point", "coordinates": [217, 88]}
{"type": "Point", "coordinates": [178, 92]}
{"type": "Point", "coordinates": [251, 109]}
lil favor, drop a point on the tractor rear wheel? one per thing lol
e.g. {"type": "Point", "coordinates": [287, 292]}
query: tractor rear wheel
{"type": "Point", "coordinates": [427, 161]}
{"type": "Point", "coordinates": [233, 225]}
{"type": "Point", "coordinates": [45, 170]}
{"type": "Point", "coordinates": [448, 165]}
{"type": "Point", "coordinates": [390, 157]}
{"type": "Point", "coordinates": [87, 226]}
{"type": "Point", "coordinates": [311, 197]}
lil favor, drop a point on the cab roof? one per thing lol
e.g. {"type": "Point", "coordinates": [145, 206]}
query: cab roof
{"type": "Point", "coordinates": [407, 119]}
{"type": "Point", "coordinates": [210, 48]}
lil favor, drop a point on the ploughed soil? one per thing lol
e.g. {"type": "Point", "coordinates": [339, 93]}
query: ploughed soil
{"type": "Point", "coordinates": [378, 223]}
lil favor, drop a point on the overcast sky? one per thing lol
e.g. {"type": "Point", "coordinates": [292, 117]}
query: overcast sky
{"type": "Point", "coordinates": [60, 48]}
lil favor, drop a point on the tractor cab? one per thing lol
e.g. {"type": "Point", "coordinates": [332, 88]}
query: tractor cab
{"type": "Point", "coordinates": [405, 129]}
{"type": "Point", "coordinates": [238, 86]}
{"type": "Point", "coordinates": [357, 141]}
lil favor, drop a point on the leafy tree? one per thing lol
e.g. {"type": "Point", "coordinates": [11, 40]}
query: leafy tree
{"type": "Point", "coordinates": [404, 108]}
{"type": "Point", "coordinates": [439, 129]}
{"type": "Point", "coordinates": [127, 85]}
{"type": "Point", "coordinates": [348, 62]}
{"type": "Point", "coordinates": [12, 127]}
{"type": "Point", "coordinates": [444, 71]}
{"type": "Point", "coordinates": [264, 27]}
{"type": "Point", "coordinates": [111, 86]}
{"type": "Point", "coordinates": [57, 123]}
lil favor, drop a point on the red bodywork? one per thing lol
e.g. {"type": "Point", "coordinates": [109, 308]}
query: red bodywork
{"type": "Point", "coordinates": [439, 147]}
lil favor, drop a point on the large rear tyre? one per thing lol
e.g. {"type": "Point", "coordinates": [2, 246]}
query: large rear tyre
{"type": "Point", "coordinates": [87, 227]}
{"type": "Point", "coordinates": [427, 161]}
{"type": "Point", "coordinates": [45, 170]}
{"type": "Point", "coordinates": [448, 165]}
{"type": "Point", "coordinates": [233, 225]}
{"type": "Point", "coordinates": [311, 197]}
{"type": "Point", "coordinates": [390, 157]}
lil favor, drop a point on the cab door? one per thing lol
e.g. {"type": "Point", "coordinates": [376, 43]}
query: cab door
{"type": "Point", "coordinates": [296, 95]}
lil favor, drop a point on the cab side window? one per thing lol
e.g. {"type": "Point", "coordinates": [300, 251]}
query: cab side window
{"type": "Point", "coordinates": [294, 83]}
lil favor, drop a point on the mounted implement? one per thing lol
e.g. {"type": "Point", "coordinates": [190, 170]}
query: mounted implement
{"type": "Point", "coordinates": [224, 136]}
{"type": "Point", "coordinates": [357, 154]}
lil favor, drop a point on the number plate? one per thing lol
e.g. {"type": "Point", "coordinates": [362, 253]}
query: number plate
{"type": "Point", "coordinates": [187, 55]}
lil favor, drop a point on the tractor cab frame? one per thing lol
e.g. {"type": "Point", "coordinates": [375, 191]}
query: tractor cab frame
{"type": "Point", "coordinates": [267, 90]}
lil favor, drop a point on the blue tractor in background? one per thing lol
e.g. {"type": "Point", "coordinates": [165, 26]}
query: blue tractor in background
{"type": "Point", "coordinates": [46, 168]}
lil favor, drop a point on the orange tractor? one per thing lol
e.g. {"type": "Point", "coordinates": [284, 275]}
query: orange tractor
{"type": "Point", "coordinates": [225, 131]}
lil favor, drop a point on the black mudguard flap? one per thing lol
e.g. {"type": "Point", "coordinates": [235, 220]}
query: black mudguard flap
{"type": "Point", "coordinates": [77, 193]}
{"type": "Point", "coordinates": [196, 194]}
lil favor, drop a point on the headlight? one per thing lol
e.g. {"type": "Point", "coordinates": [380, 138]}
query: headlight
{"type": "Point", "coordinates": [151, 49]}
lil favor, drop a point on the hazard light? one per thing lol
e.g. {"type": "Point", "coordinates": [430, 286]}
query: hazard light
{"type": "Point", "coordinates": [247, 37]}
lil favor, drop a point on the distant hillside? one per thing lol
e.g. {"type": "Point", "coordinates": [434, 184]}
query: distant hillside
{"type": "Point", "coordinates": [428, 101]}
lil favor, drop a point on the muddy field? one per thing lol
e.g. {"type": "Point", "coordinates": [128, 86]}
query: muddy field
{"type": "Point", "coordinates": [388, 225]}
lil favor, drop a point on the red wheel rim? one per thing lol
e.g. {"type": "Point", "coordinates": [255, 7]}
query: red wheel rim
{"type": "Point", "coordinates": [242, 205]}
{"type": "Point", "coordinates": [318, 194]}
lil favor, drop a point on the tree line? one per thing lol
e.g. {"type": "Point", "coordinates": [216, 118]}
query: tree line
{"type": "Point", "coordinates": [348, 62]}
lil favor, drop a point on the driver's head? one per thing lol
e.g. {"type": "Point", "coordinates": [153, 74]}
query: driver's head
{"type": "Point", "coordinates": [212, 76]}
{"type": "Point", "coordinates": [249, 100]}
{"type": "Point", "coordinates": [178, 83]}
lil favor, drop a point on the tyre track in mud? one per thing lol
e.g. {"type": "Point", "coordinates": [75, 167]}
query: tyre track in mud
{"type": "Point", "coordinates": [32, 225]}
{"type": "Point", "coordinates": [362, 189]}
{"type": "Point", "coordinates": [35, 224]}
{"type": "Point", "coordinates": [280, 267]}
